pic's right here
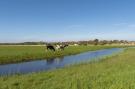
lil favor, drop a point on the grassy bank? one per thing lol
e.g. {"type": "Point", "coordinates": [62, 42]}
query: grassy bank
{"type": "Point", "coordinates": [117, 72]}
{"type": "Point", "coordinates": [11, 54]}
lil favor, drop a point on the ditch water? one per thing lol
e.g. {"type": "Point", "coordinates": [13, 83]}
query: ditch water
{"type": "Point", "coordinates": [51, 64]}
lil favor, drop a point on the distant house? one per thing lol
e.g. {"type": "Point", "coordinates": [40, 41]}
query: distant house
{"type": "Point", "coordinates": [132, 43]}
{"type": "Point", "coordinates": [75, 44]}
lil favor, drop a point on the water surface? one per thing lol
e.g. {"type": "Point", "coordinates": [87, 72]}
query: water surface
{"type": "Point", "coordinates": [44, 65]}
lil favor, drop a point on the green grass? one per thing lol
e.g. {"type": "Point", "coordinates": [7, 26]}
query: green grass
{"type": "Point", "coordinates": [116, 72]}
{"type": "Point", "coordinates": [11, 54]}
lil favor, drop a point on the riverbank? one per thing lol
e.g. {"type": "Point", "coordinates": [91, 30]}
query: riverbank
{"type": "Point", "coordinates": [116, 72]}
{"type": "Point", "coordinates": [52, 64]}
{"type": "Point", "coordinates": [13, 54]}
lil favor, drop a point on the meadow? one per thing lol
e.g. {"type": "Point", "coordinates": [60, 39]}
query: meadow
{"type": "Point", "coordinates": [114, 72]}
{"type": "Point", "coordinates": [12, 54]}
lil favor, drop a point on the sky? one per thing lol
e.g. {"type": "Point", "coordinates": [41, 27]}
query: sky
{"type": "Point", "coordinates": [66, 20]}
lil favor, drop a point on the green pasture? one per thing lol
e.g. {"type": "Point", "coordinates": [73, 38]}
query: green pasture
{"type": "Point", "coordinates": [115, 72]}
{"type": "Point", "coordinates": [11, 54]}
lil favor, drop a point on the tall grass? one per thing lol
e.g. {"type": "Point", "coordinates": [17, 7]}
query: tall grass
{"type": "Point", "coordinates": [11, 54]}
{"type": "Point", "coordinates": [116, 72]}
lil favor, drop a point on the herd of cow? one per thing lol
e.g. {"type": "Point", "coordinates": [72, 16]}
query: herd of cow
{"type": "Point", "coordinates": [56, 47]}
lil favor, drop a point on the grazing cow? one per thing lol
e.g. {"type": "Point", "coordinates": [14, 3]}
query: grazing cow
{"type": "Point", "coordinates": [63, 47]}
{"type": "Point", "coordinates": [50, 47]}
{"type": "Point", "coordinates": [58, 47]}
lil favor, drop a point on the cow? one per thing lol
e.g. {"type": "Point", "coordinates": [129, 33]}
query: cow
{"type": "Point", "coordinates": [50, 47]}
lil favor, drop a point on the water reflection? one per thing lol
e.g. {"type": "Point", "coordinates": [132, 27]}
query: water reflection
{"type": "Point", "coordinates": [50, 61]}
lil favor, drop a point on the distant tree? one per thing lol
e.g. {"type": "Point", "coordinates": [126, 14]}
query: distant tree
{"type": "Point", "coordinates": [110, 42]}
{"type": "Point", "coordinates": [103, 42]}
{"type": "Point", "coordinates": [96, 41]}
{"type": "Point", "coordinates": [90, 42]}
{"type": "Point", "coordinates": [115, 41]}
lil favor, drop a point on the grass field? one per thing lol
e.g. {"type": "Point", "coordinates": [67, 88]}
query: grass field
{"type": "Point", "coordinates": [11, 54]}
{"type": "Point", "coordinates": [116, 72]}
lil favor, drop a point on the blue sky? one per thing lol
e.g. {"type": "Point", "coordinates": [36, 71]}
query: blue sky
{"type": "Point", "coordinates": [65, 20]}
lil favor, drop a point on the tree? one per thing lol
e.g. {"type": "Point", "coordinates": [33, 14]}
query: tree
{"type": "Point", "coordinates": [103, 42]}
{"type": "Point", "coordinates": [96, 42]}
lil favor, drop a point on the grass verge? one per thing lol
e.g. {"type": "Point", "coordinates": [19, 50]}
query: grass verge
{"type": "Point", "coordinates": [12, 54]}
{"type": "Point", "coordinates": [116, 72]}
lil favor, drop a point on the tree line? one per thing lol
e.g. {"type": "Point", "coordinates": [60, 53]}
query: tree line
{"type": "Point", "coordinates": [89, 42]}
